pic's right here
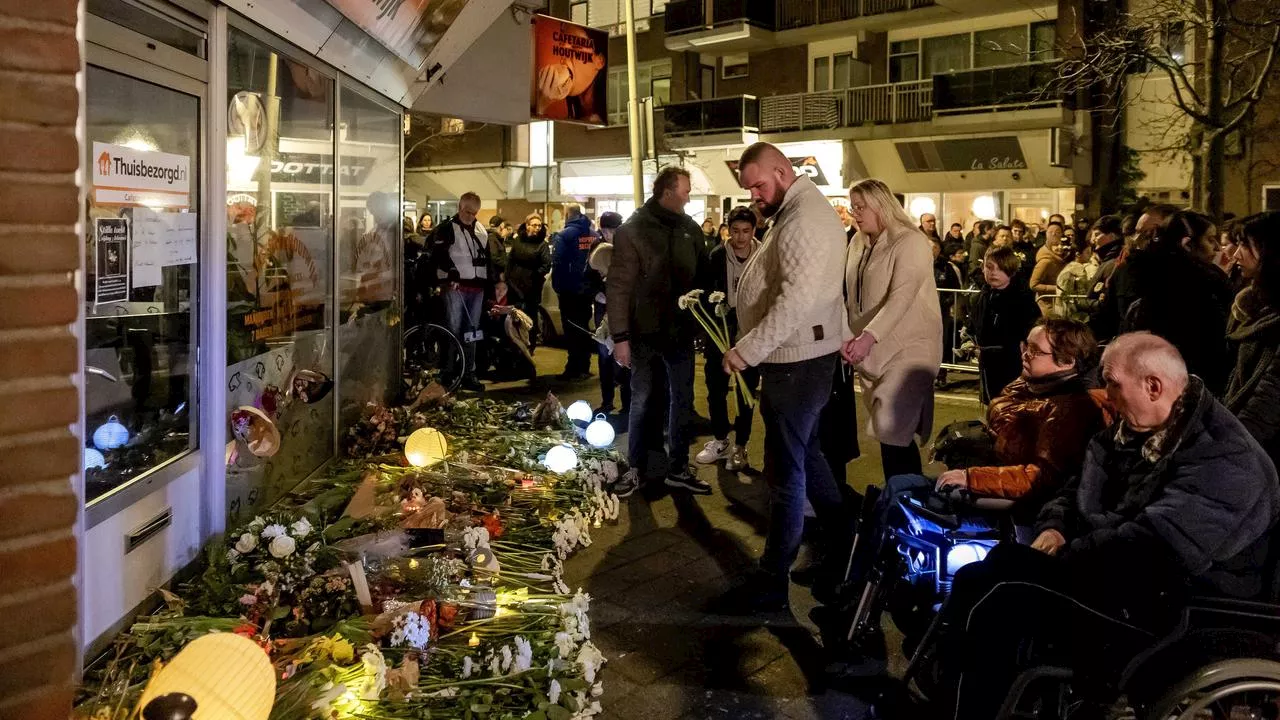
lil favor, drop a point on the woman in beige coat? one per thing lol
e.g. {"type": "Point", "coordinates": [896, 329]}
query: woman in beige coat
{"type": "Point", "coordinates": [896, 322]}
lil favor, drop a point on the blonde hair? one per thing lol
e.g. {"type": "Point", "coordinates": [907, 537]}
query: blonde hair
{"type": "Point", "coordinates": [531, 216]}
{"type": "Point", "coordinates": [879, 197]}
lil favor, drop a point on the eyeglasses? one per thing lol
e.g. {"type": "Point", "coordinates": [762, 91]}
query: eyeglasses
{"type": "Point", "coordinates": [1031, 351]}
{"type": "Point", "coordinates": [857, 207]}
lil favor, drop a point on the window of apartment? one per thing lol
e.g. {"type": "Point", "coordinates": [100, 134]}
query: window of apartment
{"type": "Point", "coordinates": [1174, 41]}
{"type": "Point", "coordinates": [1044, 40]}
{"type": "Point", "coordinates": [946, 54]}
{"type": "Point", "coordinates": [735, 66]}
{"type": "Point", "coordinates": [653, 79]}
{"type": "Point", "coordinates": [1270, 197]}
{"type": "Point", "coordinates": [904, 61]}
{"type": "Point", "coordinates": [1000, 46]}
{"type": "Point", "coordinates": [611, 14]}
{"type": "Point", "coordinates": [821, 73]}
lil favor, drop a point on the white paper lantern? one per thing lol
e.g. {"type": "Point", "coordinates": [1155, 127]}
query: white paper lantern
{"type": "Point", "coordinates": [561, 459]}
{"type": "Point", "coordinates": [579, 411]}
{"type": "Point", "coordinates": [426, 447]}
{"type": "Point", "coordinates": [600, 433]}
{"type": "Point", "coordinates": [483, 561]}
{"type": "Point", "coordinates": [110, 434]}
{"type": "Point", "coordinates": [93, 459]}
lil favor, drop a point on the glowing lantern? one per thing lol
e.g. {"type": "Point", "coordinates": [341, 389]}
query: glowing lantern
{"type": "Point", "coordinates": [965, 553]}
{"type": "Point", "coordinates": [561, 459]}
{"type": "Point", "coordinates": [600, 433]}
{"type": "Point", "coordinates": [579, 411]}
{"type": "Point", "coordinates": [225, 675]}
{"type": "Point", "coordinates": [426, 447]}
{"type": "Point", "coordinates": [93, 459]}
{"type": "Point", "coordinates": [110, 435]}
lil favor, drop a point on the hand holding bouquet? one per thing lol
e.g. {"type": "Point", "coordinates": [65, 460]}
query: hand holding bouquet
{"type": "Point", "coordinates": [716, 325]}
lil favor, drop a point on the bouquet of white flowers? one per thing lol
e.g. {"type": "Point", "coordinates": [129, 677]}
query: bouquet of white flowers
{"type": "Point", "coordinates": [716, 325]}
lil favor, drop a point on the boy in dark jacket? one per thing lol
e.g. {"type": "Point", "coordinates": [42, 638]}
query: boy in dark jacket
{"type": "Point", "coordinates": [724, 267]}
{"type": "Point", "coordinates": [570, 249]}
{"type": "Point", "coordinates": [1176, 498]}
{"type": "Point", "coordinates": [1001, 318]}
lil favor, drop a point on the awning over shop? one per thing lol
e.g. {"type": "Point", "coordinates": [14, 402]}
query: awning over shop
{"type": "Point", "coordinates": [488, 183]}
{"type": "Point", "coordinates": [612, 176]}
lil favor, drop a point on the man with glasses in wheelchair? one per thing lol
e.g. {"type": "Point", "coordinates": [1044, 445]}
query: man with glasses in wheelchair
{"type": "Point", "coordinates": [1175, 499]}
{"type": "Point", "coordinates": [920, 531]}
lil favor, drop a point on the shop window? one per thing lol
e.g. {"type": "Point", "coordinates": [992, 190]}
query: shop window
{"type": "Point", "coordinates": [280, 255]}
{"type": "Point", "coordinates": [1000, 46]}
{"type": "Point", "coordinates": [949, 53]}
{"type": "Point", "coordinates": [140, 279]}
{"type": "Point", "coordinates": [735, 66]}
{"type": "Point", "coordinates": [904, 61]}
{"type": "Point", "coordinates": [369, 252]}
{"type": "Point", "coordinates": [1044, 40]}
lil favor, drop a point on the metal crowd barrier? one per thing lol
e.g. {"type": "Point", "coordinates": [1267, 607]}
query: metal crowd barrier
{"type": "Point", "coordinates": [960, 354]}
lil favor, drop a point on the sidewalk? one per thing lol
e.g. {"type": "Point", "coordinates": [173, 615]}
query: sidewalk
{"type": "Point", "coordinates": [653, 574]}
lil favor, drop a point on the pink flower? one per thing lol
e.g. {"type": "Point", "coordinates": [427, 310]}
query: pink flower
{"type": "Point", "coordinates": [248, 599]}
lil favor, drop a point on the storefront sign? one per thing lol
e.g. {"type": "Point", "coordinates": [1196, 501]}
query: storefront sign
{"type": "Point", "coordinates": [569, 78]}
{"type": "Point", "coordinates": [807, 165]}
{"type": "Point", "coordinates": [408, 28]}
{"type": "Point", "coordinates": [993, 153]}
{"type": "Point", "coordinates": [124, 175]}
{"type": "Point", "coordinates": [315, 169]}
{"type": "Point", "coordinates": [111, 260]}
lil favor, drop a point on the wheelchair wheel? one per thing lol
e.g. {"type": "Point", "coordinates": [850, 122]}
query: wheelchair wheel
{"type": "Point", "coordinates": [1226, 690]}
{"type": "Point", "coordinates": [434, 349]}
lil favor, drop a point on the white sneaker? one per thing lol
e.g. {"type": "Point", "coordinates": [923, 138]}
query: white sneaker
{"type": "Point", "coordinates": [713, 451]}
{"type": "Point", "coordinates": [737, 459]}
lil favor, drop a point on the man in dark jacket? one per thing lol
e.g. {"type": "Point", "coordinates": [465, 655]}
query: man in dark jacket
{"type": "Point", "coordinates": [570, 249]}
{"type": "Point", "coordinates": [1175, 498]}
{"type": "Point", "coordinates": [657, 258]}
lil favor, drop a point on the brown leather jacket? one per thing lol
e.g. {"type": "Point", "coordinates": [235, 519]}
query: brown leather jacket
{"type": "Point", "coordinates": [1040, 436]}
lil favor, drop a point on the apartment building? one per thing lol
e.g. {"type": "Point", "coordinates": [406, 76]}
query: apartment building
{"type": "Point", "coordinates": [945, 100]}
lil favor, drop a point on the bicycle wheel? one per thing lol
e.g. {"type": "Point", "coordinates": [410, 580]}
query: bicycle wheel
{"type": "Point", "coordinates": [434, 349]}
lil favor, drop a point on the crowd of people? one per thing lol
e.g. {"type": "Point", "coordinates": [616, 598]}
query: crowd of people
{"type": "Point", "coordinates": [1128, 368]}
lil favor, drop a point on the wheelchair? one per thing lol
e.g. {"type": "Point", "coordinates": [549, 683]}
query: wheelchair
{"type": "Point", "coordinates": [911, 566]}
{"type": "Point", "coordinates": [1220, 661]}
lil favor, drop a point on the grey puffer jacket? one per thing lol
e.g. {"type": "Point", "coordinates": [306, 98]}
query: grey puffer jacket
{"type": "Point", "coordinates": [1253, 390]}
{"type": "Point", "coordinates": [1202, 488]}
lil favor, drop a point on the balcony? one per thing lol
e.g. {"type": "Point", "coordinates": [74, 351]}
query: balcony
{"type": "Point", "coordinates": [1026, 85]}
{"type": "Point", "coordinates": [1002, 89]}
{"type": "Point", "coordinates": [751, 23]}
{"type": "Point", "coordinates": [717, 116]}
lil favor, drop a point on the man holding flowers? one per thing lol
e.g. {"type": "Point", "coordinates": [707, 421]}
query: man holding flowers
{"type": "Point", "coordinates": [726, 263]}
{"type": "Point", "coordinates": [790, 306]}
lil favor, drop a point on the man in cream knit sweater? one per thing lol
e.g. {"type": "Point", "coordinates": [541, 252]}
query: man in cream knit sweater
{"type": "Point", "coordinates": [792, 321]}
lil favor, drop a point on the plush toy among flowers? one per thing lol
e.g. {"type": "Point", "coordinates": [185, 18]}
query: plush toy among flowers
{"type": "Point", "coordinates": [360, 618]}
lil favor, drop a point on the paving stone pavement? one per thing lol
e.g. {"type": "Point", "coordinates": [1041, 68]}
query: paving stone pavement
{"type": "Point", "coordinates": [655, 576]}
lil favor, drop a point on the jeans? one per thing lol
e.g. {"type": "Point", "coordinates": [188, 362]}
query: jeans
{"type": "Point", "coordinates": [792, 396]}
{"type": "Point", "coordinates": [718, 388]}
{"type": "Point", "coordinates": [648, 364]}
{"type": "Point", "coordinates": [575, 315]}
{"type": "Point", "coordinates": [464, 308]}
{"type": "Point", "coordinates": [612, 375]}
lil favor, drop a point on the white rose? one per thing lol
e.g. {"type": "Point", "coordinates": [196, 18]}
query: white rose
{"type": "Point", "coordinates": [282, 546]}
{"type": "Point", "coordinates": [301, 529]}
{"type": "Point", "coordinates": [272, 531]}
{"type": "Point", "coordinates": [246, 543]}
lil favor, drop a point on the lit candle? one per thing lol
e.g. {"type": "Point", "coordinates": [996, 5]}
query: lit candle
{"type": "Point", "coordinates": [474, 641]}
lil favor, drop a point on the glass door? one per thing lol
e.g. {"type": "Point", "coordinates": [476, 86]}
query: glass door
{"type": "Point", "coordinates": [141, 252]}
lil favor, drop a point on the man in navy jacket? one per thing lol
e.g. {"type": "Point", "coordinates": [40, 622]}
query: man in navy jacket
{"type": "Point", "coordinates": [570, 249]}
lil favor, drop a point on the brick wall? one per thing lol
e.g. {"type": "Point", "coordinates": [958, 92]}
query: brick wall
{"type": "Point", "coordinates": [39, 455]}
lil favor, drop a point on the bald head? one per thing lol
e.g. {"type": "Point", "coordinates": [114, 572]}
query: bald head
{"type": "Point", "coordinates": [767, 174]}
{"type": "Point", "coordinates": [1145, 375]}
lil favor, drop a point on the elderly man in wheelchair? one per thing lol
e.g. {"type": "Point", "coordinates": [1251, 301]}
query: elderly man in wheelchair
{"type": "Point", "coordinates": [1100, 617]}
{"type": "Point", "coordinates": [918, 532]}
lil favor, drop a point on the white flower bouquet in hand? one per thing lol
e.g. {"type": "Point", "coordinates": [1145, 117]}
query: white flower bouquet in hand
{"type": "Point", "coordinates": [715, 323]}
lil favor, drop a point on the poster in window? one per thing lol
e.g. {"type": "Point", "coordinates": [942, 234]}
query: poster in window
{"type": "Point", "coordinates": [111, 258]}
{"type": "Point", "coordinates": [569, 72]}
